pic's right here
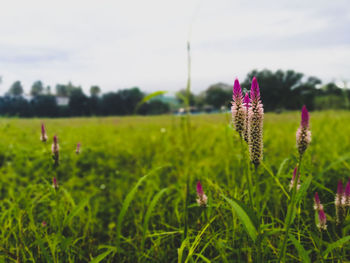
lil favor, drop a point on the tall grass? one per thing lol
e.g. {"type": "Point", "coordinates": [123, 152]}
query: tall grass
{"type": "Point", "coordinates": [106, 215]}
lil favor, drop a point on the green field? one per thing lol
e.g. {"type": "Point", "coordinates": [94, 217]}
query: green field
{"type": "Point", "coordinates": [104, 211]}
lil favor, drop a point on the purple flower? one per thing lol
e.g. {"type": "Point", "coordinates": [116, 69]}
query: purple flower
{"type": "Point", "coordinates": [43, 136]}
{"type": "Point", "coordinates": [238, 113]}
{"type": "Point", "coordinates": [77, 151]}
{"type": "Point", "coordinates": [54, 183]}
{"type": "Point", "coordinates": [202, 198]}
{"type": "Point", "coordinates": [322, 220]}
{"type": "Point", "coordinates": [55, 150]}
{"type": "Point", "coordinates": [44, 224]}
{"type": "Point", "coordinates": [255, 124]}
{"type": "Point", "coordinates": [303, 135]}
{"type": "Point", "coordinates": [246, 103]}
{"type": "Point", "coordinates": [346, 201]}
{"type": "Point", "coordinates": [317, 206]}
{"type": "Point", "coordinates": [339, 198]}
{"type": "Point", "coordinates": [293, 179]}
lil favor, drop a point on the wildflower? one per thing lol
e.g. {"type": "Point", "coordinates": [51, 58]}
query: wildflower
{"type": "Point", "coordinates": [202, 198]}
{"type": "Point", "coordinates": [317, 206]}
{"type": "Point", "coordinates": [55, 150]}
{"type": "Point", "coordinates": [238, 114]}
{"type": "Point", "coordinates": [293, 179]}
{"type": "Point", "coordinates": [303, 134]}
{"type": "Point", "coordinates": [246, 103]}
{"type": "Point", "coordinates": [77, 151]}
{"type": "Point", "coordinates": [43, 136]}
{"type": "Point", "coordinates": [44, 224]}
{"type": "Point", "coordinates": [339, 202]}
{"type": "Point", "coordinates": [346, 196]}
{"type": "Point", "coordinates": [322, 220]}
{"type": "Point", "coordinates": [255, 124]}
{"type": "Point", "coordinates": [54, 183]}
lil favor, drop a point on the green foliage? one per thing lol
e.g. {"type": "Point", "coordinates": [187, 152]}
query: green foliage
{"type": "Point", "coordinates": [106, 210]}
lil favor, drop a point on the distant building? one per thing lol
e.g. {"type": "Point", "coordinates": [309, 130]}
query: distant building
{"type": "Point", "coordinates": [62, 101]}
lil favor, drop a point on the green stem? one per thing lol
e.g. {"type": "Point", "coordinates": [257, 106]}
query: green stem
{"type": "Point", "coordinates": [258, 245]}
{"type": "Point", "coordinates": [247, 173]}
{"type": "Point", "coordinates": [290, 213]}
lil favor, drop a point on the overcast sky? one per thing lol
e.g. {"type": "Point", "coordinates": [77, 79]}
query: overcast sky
{"type": "Point", "coordinates": [120, 44]}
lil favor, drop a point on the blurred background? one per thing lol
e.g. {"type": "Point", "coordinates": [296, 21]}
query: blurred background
{"type": "Point", "coordinates": [100, 58]}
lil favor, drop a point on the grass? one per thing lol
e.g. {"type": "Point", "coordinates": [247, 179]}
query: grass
{"type": "Point", "coordinates": [123, 198]}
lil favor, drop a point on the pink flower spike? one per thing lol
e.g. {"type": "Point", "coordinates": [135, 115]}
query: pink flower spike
{"type": "Point", "coordinates": [44, 224]}
{"type": "Point", "coordinates": [347, 194]}
{"type": "Point", "coordinates": [54, 183]}
{"type": "Point", "coordinates": [255, 91]}
{"type": "Point", "coordinates": [322, 220]}
{"type": "Point", "coordinates": [294, 178]}
{"type": "Point", "coordinates": [202, 198]}
{"type": "Point", "coordinates": [246, 100]}
{"type": "Point", "coordinates": [304, 117]}
{"type": "Point", "coordinates": [340, 189]}
{"type": "Point", "coordinates": [77, 151]}
{"type": "Point", "coordinates": [237, 91]}
{"type": "Point", "coordinates": [317, 206]}
{"type": "Point", "coordinates": [43, 136]}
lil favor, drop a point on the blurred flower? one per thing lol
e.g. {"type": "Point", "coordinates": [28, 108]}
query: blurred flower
{"type": "Point", "coordinates": [317, 205]}
{"type": "Point", "coordinates": [346, 201]}
{"type": "Point", "coordinates": [255, 124]}
{"type": "Point", "coordinates": [43, 136]}
{"type": "Point", "coordinates": [293, 179]}
{"type": "Point", "coordinates": [77, 151]}
{"type": "Point", "coordinates": [238, 113]}
{"type": "Point", "coordinates": [202, 198]}
{"type": "Point", "coordinates": [303, 134]}
{"type": "Point", "coordinates": [162, 130]}
{"type": "Point", "coordinates": [55, 150]}
{"type": "Point", "coordinates": [54, 183]}
{"type": "Point", "coordinates": [339, 197]}
{"type": "Point", "coordinates": [246, 103]}
{"type": "Point", "coordinates": [322, 220]}
{"type": "Point", "coordinates": [44, 224]}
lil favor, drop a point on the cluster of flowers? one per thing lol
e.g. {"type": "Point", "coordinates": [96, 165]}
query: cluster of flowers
{"type": "Point", "coordinates": [55, 150]}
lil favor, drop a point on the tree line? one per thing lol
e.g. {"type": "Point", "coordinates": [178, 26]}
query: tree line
{"type": "Point", "coordinates": [281, 90]}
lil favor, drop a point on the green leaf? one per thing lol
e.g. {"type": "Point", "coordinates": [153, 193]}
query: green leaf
{"type": "Point", "coordinates": [301, 251]}
{"type": "Point", "coordinates": [100, 257]}
{"type": "Point", "coordinates": [149, 97]}
{"type": "Point", "coordinates": [245, 216]}
{"type": "Point", "coordinates": [303, 189]}
{"type": "Point", "coordinates": [335, 245]}
{"type": "Point", "coordinates": [76, 211]}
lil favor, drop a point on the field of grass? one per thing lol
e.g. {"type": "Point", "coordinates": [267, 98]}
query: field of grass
{"type": "Point", "coordinates": [123, 198]}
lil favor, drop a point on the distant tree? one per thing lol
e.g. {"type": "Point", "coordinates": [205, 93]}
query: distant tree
{"type": "Point", "coordinates": [181, 96]}
{"type": "Point", "coordinates": [61, 90]}
{"type": "Point", "coordinates": [218, 95]}
{"type": "Point", "coordinates": [78, 103]}
{"type": "Point", "coordinates": [16, 89]}
{"type": "Point", "coordinates": [48, 90]}
{"type": "Point", "coordinates": [44, 106]}
{"type": "Point", "coordinates": [95, 91]}
{"type": "Point", "coordinates": [37, 88]}
{"type": "Point", "coordinates": [154, 107]}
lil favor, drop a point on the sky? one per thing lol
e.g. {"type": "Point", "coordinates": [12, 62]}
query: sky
{"type": "Point", "coordinates": [120, 44]}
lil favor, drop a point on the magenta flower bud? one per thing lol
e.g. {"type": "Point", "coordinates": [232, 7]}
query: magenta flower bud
{"type": "Point", "coordinates": [255, 91]}
{"type": "Point", "coordinates": [43, 136]}
{"type": "Point", "coordinates": [55, 150]}
{"type": "Point", "coordinates": [303, 134]}
{"type": "Point", "coordinates": [346, 199]}
{"type": "Point", "coordinates": [317, 206]}
{"type": "Point", "coordinates": [202, 198]}
{"type": "Point", "coordinates": [322, 220]}
{"type": "Point", "coordinates": [293, 179]}
{"type": "Point", "coordinates": [238, 113]}
{"type": "Point", "coordinates": [77, 151]}
{"type": "Point", "coordinates": [54, 183]}
{"type": "Point", "coordinates": [255, 124]}
{"type": "Point", "coordinates": [44, 224]}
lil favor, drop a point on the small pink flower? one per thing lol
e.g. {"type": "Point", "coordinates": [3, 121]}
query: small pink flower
{"type": "Point", "coordinates": [293, 179]}
{"type": "Point", "coordinates": [44, 224]}
{"type": "Point", "coordinates": [54, 183]}
{"type": "Point", "coordinates": [77, 151]}
{"type": "Point", "coordinates": [346, 197]}
{"type": "Point", "coordinates": [322, 220]}
{"type": "Point", "coordinates": [317, 205]}
{"type": "Point", "coordinates": [246, 103]}
{"type": "Point", "coordinates": [339, 205]}
{"type": "Point", "coordinates": [202, 198]}
{"type": "Point", "coordinates": [238, 113]}
{"type": "Point", "coordinates": [303, 135]}
{"type": "Point", "coordinates": [43, 136]}
{"type": "Point", "coordinates": [55, 150]}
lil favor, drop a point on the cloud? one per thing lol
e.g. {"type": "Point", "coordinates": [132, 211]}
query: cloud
{"type": "Point", "coordinates": [119, 44]}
